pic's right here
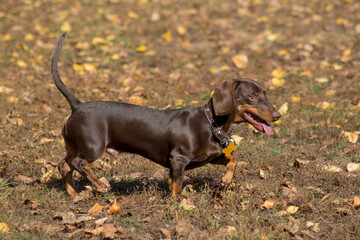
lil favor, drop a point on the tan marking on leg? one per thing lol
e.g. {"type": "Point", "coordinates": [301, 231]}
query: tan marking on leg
{"type": "Point", "coordinates": [66, 174]}
{"type": "Point", "coordinates": [176, 189]}
{"type": "Point", "coordinates": [99, 186]}
{"type": "Point", "coordinates": [170, 182]}
{"type": "Point", "coordinates": [230, 168]}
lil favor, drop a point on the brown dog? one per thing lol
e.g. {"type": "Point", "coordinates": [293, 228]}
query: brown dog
{"type": "Point", "coordinates": [178, 139]}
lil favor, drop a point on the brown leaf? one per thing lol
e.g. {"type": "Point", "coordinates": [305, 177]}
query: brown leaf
{"type": "Point", "coordinates": [268, 204]}
{"type": "Point", "coordinates": [115, 207]}
{"type": "Point", "coordinates": [24, 179]}
{"type": "Point", "coordinates": [356, 202]}
{"type": "Point", "coordinates": [96, 209]}
{"type": "Point", "coordinates": [109, 231]}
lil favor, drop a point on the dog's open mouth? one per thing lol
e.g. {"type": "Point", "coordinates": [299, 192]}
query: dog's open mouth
{"type": "Point", "coordinates": [258, 123]}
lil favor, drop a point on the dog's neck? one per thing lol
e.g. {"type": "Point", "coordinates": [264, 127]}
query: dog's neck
{"type": "Point", "coordinates": [225, 121]}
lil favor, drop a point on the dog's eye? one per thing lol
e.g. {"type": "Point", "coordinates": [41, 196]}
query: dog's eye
{"type": "Point", "coordinates": [252, 98]}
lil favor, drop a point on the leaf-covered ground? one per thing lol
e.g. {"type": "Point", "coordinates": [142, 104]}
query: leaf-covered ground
{"type": "Point", "coordinates": [301, 183]}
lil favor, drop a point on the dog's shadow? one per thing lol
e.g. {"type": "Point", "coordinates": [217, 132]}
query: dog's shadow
{"type": "Point", "coordinates": [124, 187]}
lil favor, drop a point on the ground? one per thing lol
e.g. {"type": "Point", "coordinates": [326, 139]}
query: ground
{"type": "Point", "coordinates": [300, 183]}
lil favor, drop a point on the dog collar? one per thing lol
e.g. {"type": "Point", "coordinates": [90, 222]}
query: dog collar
{"type": "Point", "coordinates": [218, 132]}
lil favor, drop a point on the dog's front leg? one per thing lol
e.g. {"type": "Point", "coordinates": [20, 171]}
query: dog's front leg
{"type": "Point", "coordinates": [229, 170]}
{"type": "Point", "coordinates": [177, 169]}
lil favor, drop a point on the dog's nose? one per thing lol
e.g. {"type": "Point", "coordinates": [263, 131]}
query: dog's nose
{"type": "Point", "coordinates": [276, 116]}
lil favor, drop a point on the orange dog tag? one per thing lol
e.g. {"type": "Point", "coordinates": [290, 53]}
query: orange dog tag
{"type": "Point", "coordinates": [227, 151]}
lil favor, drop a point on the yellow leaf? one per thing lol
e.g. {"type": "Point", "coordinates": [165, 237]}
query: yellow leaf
{"type": "Point", "coordinates": [29, 37]}
{"type": "Point", "coordinates": [283, 109]}
{"type": "Point", "coordinates": [356, 202]}
{"type": "Point", "coordinates": [13, 99]}
{"type": "Point", "coordinates": [133, 15]}
{"type": "Point", "coordinates": [292, 209]}
{"type": "Point", "coordinates": [283, 52]}
{"type": "Point", "coordinates": [115, 56]}
{"type": "Point", "coordinates": [6, 37]}
{"type": "Point", "coordinates": [46, 177]}
{"type": "Point", "coordinates": [141, 48]}
{"type": "Point", "coordinates": [4, 227]}
{"type": "Point", "coordinates": [20, 122]}
{"type": "Point", "coordinates": [272, 37]}
{"type": "Point", "coordinates": [240, 61]}
{"type": "Point", "coordinates": [90, 67]}
{"type": "Point", "coordinates": [296, 99]}
{"type": "Point", "coordinates": [346, 52]}
{"type": "Point", "coordinates": [1, 89]}
{"type": "Point", "coordinates": [225, 68]}
{"type": "Point", "coordinates": [278, 121]}
{"type": "Point", "coordinates": [83, 45]}
{"type": "Point", "coordinates": [278, 82]}
{"type": "Point", "coordinates": [78, 67]}
{"type": "Point", "coordinates": [45, 140]}
{"type": "Point", "coordinates": [278, 73]}
{"type": "Point", "coordinates": [115, 207]}
{"type": "Point", "coordinates": [96, 231]}
{"type": "Point", "coordinates": [352, 136]}
{"type": "Point", "coordinates": [113, 18]}
{"type": "Point", "coordinates": [306, 73]}
{"type": "Point", "coordinates": [150, 53]}
{"type": "Point", "coordinates": [98, 41]}
{"type": "Point", "coordinates": [225, 49]}
{"type": "Point", "coordinates": [340, 21]}
{"type": "Point", "coordinates": [178, 102]}
{"type": "Point", "coordinates": [268, 204]}
{"type": "Point", "coordinates": [66, 27]}
{"type": "Point", "coordinates": [181, 30]}
{"type": "Point", "coordinates": [322, 80]}
{"type": "Point", "coordinates": [214, 70]}
{"type": "Point", "coordinates": [21, 63]}
{"type": "Point", "coordinates": [96, 209]}
{"type": "Point", "coordinates": [337, 67]}
{"type": "Point", "coordinates": [167, 36]}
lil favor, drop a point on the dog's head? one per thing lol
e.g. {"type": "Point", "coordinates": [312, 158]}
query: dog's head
{"type": "Point", "coordinates": [246, 99]}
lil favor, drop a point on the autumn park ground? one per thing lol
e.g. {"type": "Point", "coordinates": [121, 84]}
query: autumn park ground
{"type": "Point", "coordinates": [301, 183]}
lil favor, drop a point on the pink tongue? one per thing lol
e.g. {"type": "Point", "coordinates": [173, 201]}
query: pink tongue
{"type": "Point", "coordinates": [268, 130]}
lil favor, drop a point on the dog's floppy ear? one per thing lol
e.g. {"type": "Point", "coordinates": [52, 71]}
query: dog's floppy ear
{"type": "Point", "coordinates": [223, 100]}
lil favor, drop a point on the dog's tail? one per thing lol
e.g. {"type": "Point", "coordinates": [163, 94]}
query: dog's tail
{"type": "Point", "coordinates": [73, 101]}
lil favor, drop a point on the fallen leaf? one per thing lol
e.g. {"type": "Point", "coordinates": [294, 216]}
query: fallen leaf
{"type": "Point", "coordinates": [141, 48]}
{"type": "Point", "coordinates": [296, 99]}
{"type": "Point", "coordinates": [20, 122]}
{"type": "Point", "coordinates": [181, 30]}
{"type": "Point", "coordinates": [187, 204]}
{"type": "Point", "coordinates": [292, 209]}
{"type": "Point", "coordinates": [4, 227]}
{"type": "Point", "coordinates": [96, 231]}
{"type": "Point", "coordinates": [109, 231]}
{"type": "Point", "coordinates": [46, 177]}
{"type": "Point", "coordinates": [356, 202]}
{"type": "Point", "coordinates": [240, 61]}
{"type": "Point", "coordinates": [115, 207]}
{"type": "Point", "coordinates": [21, 63]}
{"type": "Point", "coordinates": [78, 67]}
{"type": "Point", "coordinates": [167, 36]}
{"type": "Point", "coordinates": [133, 15]}
{"type": "Point", "coordinates": [352, 136]}
{"type": "Point", "coordinates": [353, 167]}
{"type": "Point", "coordinates": [65, 27]}
{"type": "Point", "coordinates": [24, 179]}
{"type": "Point", "coordinates": [331, 168]}
{"type": "Point", "coordinates": [45, 140]}
{"type": "Point", "coordinates": [277, 82]}
{"type": "Point", "coordinates": [283, 109]}
{"type": "Point", "coordinates": [268, 204]}
{"type": "Point", "coordinates": [13, 99]}
{"type": "Point", "coordinates": [101, 221]}
{"type": "Point", "coordinates": [322, 80]}
{"type": "Point", "coordinates": [99, 41]}
{"type": "Point", "coordinates": [96, 209]}
{"type": "Point", "coordinates": [278, 73]}
{"type": "Point", "coordinates": [90, 67]}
